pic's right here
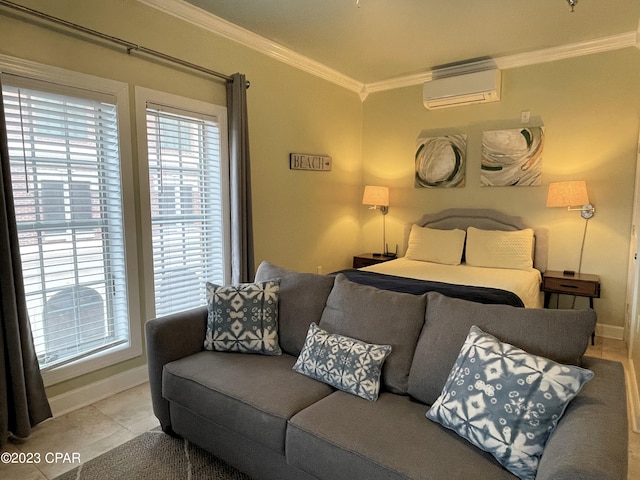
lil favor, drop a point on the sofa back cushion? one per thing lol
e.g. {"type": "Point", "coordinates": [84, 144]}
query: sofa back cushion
{"type": "Point", "coordinates": [379, 317]}
{"type": "Point", "coordinates": [302, 300]}
{"type": "Point", "coordinates": [560, 335]}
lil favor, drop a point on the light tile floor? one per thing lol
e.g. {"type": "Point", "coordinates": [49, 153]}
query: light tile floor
{"type": "Point", "coordinates": [89, 432]}
{"type": "Point", "coordinates": [93, 430]}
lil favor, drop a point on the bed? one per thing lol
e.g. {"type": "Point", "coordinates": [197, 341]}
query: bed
{"type": "Point", "coordinates": [478, 254]}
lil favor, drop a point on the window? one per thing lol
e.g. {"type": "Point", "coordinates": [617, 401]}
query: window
{"type": "Point", "coordinates": [187, 179]}
{"type": "Point", "coordinates": [65, 162]}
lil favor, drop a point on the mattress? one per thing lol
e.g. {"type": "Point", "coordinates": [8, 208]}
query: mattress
{"type": "Point", "coordinates": [524, 283]}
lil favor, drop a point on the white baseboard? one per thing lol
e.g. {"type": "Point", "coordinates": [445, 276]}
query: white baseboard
{"type": "Point", "coordinates": [610, 331]}
{"type": "Point", "coordinates": [633, 397]}
{"type": "Point", "coordinates": [94, 392]}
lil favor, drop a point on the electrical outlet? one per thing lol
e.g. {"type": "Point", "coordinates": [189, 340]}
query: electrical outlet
{"type": "Point", "coordinates": [525, 115]}
{"type": "Point", "coordinates": [319, 269]}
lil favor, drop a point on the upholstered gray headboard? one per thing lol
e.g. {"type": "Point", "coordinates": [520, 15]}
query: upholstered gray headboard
{"type": "Point", "coordinates": [487, 219]}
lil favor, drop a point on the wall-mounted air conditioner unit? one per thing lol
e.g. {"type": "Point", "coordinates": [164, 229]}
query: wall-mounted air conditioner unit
{"type": "Point", "coordinates": [476, 87]}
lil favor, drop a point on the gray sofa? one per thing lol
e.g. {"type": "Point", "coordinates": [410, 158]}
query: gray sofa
{"type": "Point", "coordinates": [258, 414]}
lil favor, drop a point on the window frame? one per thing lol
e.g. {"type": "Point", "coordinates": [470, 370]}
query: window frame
{"type": "Point", "coordinates": [144, 96]}
{"type": "Point", "coordinates": [70, 81]}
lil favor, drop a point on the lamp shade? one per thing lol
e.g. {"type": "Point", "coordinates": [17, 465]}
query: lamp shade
{"type": "Point", "coordinates": [376, 196]}
{"type": "Point", "coordinates": [567, 194]}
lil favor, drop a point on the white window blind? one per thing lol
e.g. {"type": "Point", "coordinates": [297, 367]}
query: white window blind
{"type": "Point", "coordinates": [185, 182]}
{"type": "Point", "coordinates": [65, 172]}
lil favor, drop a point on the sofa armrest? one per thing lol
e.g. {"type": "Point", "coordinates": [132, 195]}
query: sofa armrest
{"type": "Point", "coordinates": [170, 338]}
{"type": "Point", "coordinates": [591, 439]}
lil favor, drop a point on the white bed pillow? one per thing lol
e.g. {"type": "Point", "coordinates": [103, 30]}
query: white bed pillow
{"type": "Point", "coordinates": [438, 246]}
{"type": "Point", "coordinates": [500, 249]}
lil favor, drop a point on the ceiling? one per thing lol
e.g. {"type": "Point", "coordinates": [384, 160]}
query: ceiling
{"type": "Point", "coordinates": [373, 45]}
{"type": "Point", "coordinates": [380, 40]}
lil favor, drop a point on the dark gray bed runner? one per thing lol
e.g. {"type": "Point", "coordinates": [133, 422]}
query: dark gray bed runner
{"type": "Point", "coordinates": [418, 287]}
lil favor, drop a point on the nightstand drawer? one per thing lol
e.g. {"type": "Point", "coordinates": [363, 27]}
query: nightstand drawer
{"type": "Point", "coordinates": [366, 259]}
{"type": "Point", "coordinates": [362, 262]}
{"type": "Point", "coordinates": [571, 286]}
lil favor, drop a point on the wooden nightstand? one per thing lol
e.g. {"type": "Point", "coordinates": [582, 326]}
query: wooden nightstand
{"type": "Point", "coordinates": [580, 285]}
{"type": "Point", "coordinates": [366, 259]}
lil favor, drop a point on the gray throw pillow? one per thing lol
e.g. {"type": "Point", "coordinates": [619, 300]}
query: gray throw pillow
{"type": "Point", "coordinates": [301, 301]}
{"type": "Point", "coordinates": [506, 401]}
{"type": "Point", "coordinates": [342, 362]}
{"type": "Point", "coordinates": [243, 318]}
{"type": "Point", "coordinates": [381, 317]}
{"type": "Point", "coordinates": [560, 335]}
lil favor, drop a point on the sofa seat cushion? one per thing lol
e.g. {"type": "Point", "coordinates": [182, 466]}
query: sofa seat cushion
{"type": "Point", "coordinates": [252, 395]}
{"type": "Point", "coordinates": [343, 437]}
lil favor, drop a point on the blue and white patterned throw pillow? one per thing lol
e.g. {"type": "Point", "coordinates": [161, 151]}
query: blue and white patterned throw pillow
{"type": "Point", "coordinates": [345, 363]}
{"type": "Point", "coordinates": [506, 401]}
{"type": "Point", "coordinates": [243, 318]}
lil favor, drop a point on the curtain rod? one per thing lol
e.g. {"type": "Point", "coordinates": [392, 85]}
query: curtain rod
{"type": "Point", "coordinates": [128, 45]}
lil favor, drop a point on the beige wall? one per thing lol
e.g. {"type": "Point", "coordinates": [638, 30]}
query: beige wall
{"type": "Point", "coordinates": [590, 108]}
{"type": "Point", "coordinates": [301, 219]}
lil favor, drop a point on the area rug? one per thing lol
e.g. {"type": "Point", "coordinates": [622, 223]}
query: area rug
{"type": "Point", "coordinates": [155, 455]}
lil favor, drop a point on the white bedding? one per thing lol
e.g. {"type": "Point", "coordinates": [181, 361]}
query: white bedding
{"type": "Point", "coordinates": [524, 283]}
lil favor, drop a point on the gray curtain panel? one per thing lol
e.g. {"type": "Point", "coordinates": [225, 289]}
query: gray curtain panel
{"type": "Point", "coordinates": [242, 256]}
{"type": "Point", "coordinates": [23, 402]}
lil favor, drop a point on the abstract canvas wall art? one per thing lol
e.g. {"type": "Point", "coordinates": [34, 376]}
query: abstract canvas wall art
{"type": "Point", "coordinates": [512, 157]}
{"type": "Point", "coordinates": [440, 161]}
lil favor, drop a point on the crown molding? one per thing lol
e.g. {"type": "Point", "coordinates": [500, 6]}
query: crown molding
{"type": "Point", "coordinates": [571, 50]}
{"type": "Point", "coordinates": [196, 16]}
{"type": "Point", "coordinates": [588, 47]}
{"type": "Point", "coordinates": [200, 18]}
